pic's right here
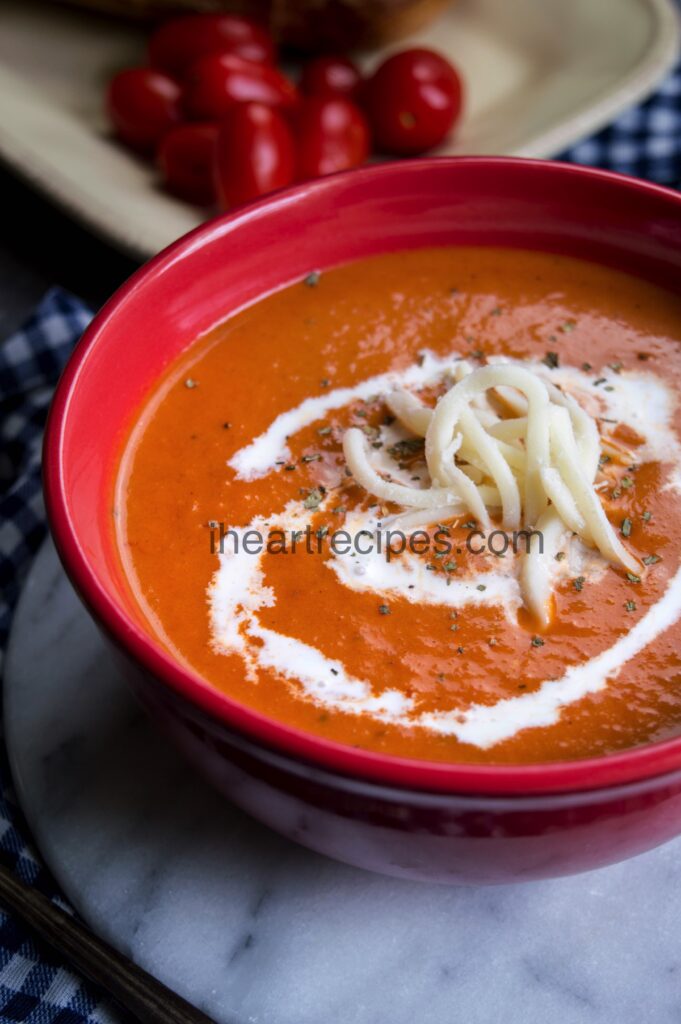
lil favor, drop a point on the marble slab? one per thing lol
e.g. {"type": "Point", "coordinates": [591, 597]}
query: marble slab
{"type": "Point", "coordinates": [256, 930]}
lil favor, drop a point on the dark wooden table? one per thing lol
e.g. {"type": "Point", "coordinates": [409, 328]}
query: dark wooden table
{"type": "Point", "coordinates": [41, 246]}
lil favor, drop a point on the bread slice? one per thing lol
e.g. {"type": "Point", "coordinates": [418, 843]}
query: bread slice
{"type": "Point", "coordinates": [309, 25]}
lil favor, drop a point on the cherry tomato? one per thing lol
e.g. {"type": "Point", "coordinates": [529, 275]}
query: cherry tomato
{"type": "Point", "coordinates": [332, 134]}
{"type": "Point", "coordinates": [143, 105]}
{"type": "Point", "coordinates": [215, 83]}
{"type": "Point", "coordinates": [181, 41]}
{"type": "Point", "coordinates": [412, 100]}
{"type": "Point", "coordinates": [186, 158]}
{"type": "Point", "coordinates": [331, 76]}
{"type": "Point", "coordinates": [255, 153]}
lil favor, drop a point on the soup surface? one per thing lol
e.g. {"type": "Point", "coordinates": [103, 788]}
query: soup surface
{"type": "Point", "coordinates": [261, 559]}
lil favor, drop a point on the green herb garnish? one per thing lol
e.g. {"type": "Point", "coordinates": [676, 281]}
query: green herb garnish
{"type": "Point", "coordinates": [313, 499]}
{"type": "Point", "coordinates": [409, 446]}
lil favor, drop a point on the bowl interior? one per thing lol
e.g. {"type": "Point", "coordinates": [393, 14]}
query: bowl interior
{"type": "Point", "coordinates": [237, 259]}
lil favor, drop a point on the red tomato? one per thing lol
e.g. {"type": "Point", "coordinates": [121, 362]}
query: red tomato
{"type": "Point", "coordinates": [142, 105]}
{"type": "Point", "coordinates": [331, 76]}
{"type": "Point", "coordinates": [215, 83]}
{"type": "Point", "coordinates": [255, 153]}
{"type": "Point", "coordinates": [331, 134]}
{"type": "Point", "coordinates": [186, 158]}
{"type": "Point", "coordinates": [181, 41]}
{"type": "Point", "coordinates": [412, 100]}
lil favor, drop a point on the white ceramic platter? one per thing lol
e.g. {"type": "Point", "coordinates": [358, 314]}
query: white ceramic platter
{"type": "Point", "coordinates": [255, 930]}
{"type": "Point", "coordinates": [540, 74]}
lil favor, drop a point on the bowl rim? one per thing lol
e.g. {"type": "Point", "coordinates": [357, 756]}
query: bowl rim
{"type": "Point", "coordinates": [632, 765]}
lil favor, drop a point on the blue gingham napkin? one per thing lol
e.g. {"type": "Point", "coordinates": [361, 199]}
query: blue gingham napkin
{"type": "Point", "coordinates": [34, 986]}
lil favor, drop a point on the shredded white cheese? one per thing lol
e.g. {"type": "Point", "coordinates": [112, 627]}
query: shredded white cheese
{"type": "Point", "coordinates": [555, 461]}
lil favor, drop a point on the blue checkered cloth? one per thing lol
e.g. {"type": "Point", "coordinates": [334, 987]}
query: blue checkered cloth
{"type": "Point", "coordinates": [34, 986]}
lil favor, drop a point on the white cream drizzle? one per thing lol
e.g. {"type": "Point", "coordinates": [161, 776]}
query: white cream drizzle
{"type": "Point", "coordinates": [238, 592]}
{"type": "Point", "coordinates": [259, 457]}
{"type": "Point", "coordinates": [485, 725]}
{"type": "Point", "coordinates": [407, 577]}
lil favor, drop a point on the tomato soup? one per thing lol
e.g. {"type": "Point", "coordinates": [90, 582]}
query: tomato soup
{"type": "Point", "coordinates": [427, 504]}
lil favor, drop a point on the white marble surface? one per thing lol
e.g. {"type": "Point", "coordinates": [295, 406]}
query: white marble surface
{"type": "Point", "coordinates": [254, 929]}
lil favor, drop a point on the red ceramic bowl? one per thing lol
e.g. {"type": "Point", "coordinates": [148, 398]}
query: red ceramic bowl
{"type": "Point", "coordinates": [453, 823]}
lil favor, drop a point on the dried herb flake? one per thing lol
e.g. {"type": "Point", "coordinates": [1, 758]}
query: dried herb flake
{"type": "Point", "coordinates": [313, 499]}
